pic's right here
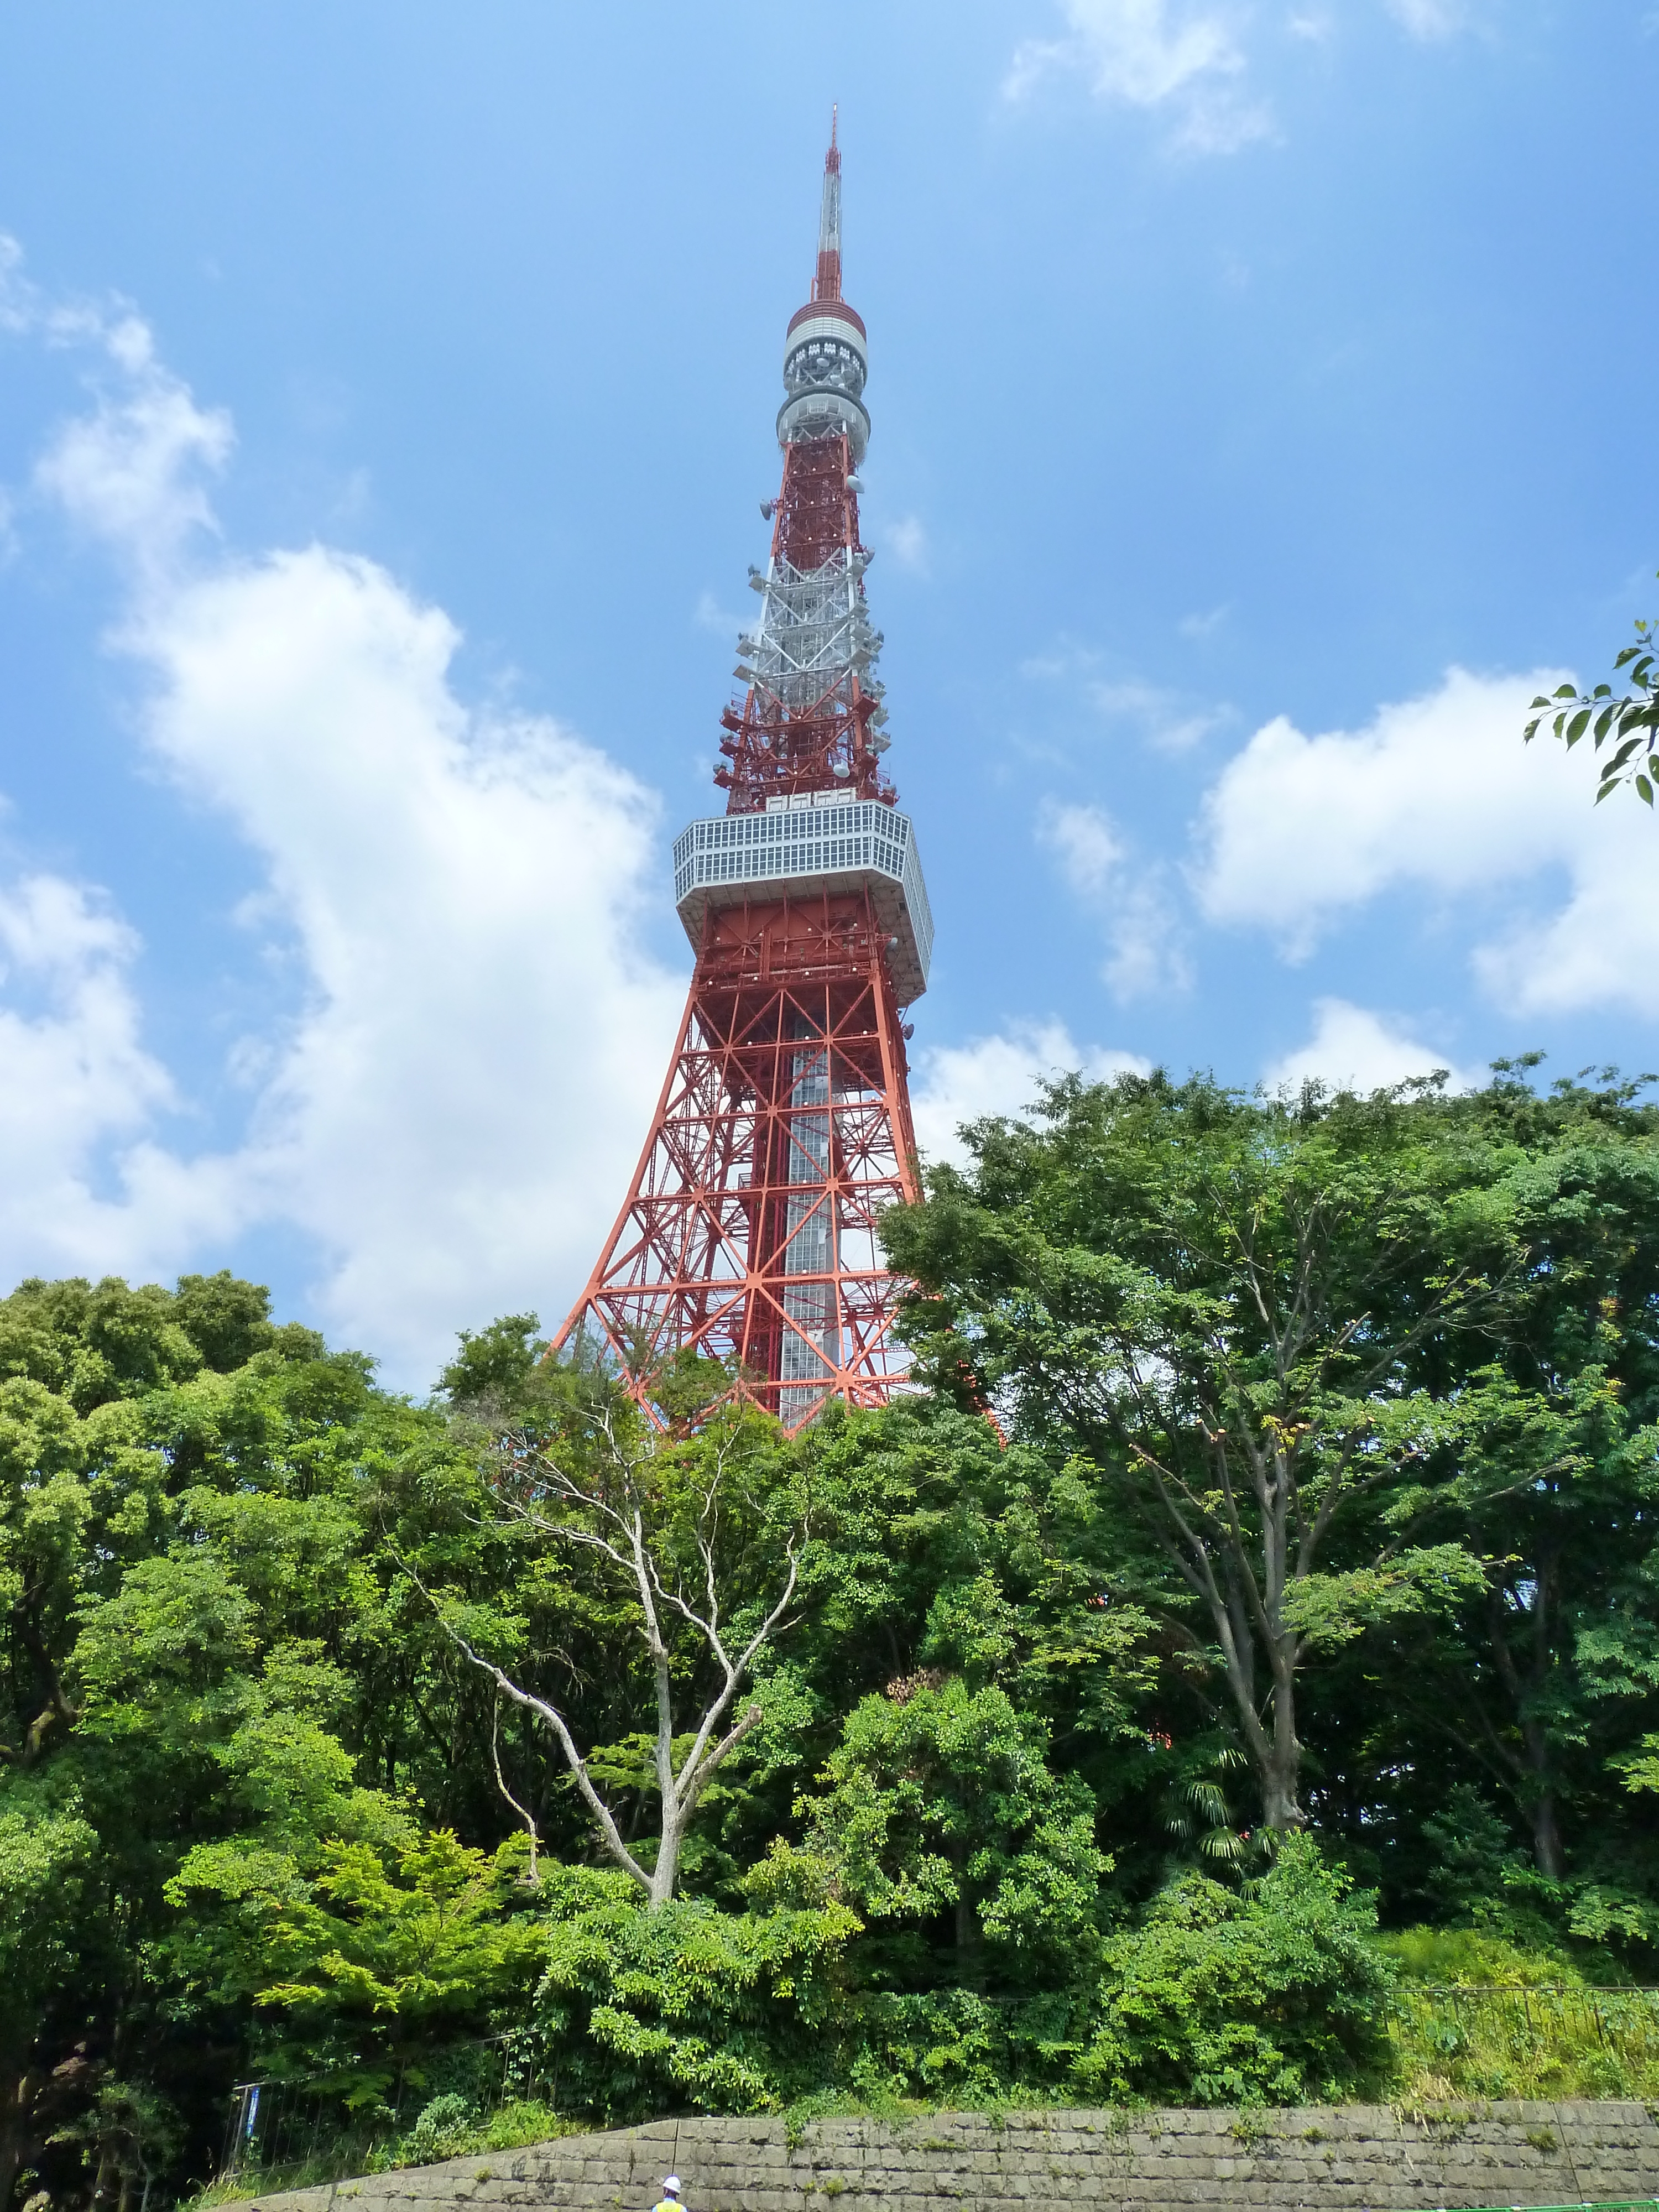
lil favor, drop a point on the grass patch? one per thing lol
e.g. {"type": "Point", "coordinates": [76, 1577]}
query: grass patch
{"type": "Point", "coordinates": [1540, 2040]}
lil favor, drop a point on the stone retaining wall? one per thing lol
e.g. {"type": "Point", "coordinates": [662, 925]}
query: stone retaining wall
{"type": "Point", "coordinates": [1340, 2159]}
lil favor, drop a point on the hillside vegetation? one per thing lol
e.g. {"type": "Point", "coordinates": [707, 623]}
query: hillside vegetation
{"type": "Point", "coordinates": [1241, 1655]}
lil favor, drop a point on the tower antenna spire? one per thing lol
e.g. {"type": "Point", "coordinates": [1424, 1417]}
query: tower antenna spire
{"type": "Point", "coordinates": [826, 285]}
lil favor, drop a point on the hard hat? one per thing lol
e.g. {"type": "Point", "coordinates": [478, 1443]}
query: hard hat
{"type": "Point", "coordinates": [672, 2184]}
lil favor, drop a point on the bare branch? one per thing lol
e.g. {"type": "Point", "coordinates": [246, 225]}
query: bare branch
{"type": "Point", "coordinates": [553, 1720]}
{"type": "Point", "coordinates": [734, 1674]}
{"type": "Point", "coordinates": [523, 1812]}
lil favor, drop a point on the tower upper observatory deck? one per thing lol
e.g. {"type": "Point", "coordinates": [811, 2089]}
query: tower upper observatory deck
{"type": "Point", "coordinates": [826, 356]}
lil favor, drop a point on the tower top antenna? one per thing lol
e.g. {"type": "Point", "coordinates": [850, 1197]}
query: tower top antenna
{"type": "Point", "coordinates": [826, 285]}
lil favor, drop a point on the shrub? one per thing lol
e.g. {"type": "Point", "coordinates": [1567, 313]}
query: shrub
{"type": "Point", "coordinates": [1276, 1994]}
{"type": "Point", "coordinates": [642, 2012]}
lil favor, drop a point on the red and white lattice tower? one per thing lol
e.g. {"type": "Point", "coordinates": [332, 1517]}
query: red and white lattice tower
{"type": "Point", "coordinates": [783, 1129]}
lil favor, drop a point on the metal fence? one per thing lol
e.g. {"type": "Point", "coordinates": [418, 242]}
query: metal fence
{"type": "Point", "coordinates": [1621, 2018]}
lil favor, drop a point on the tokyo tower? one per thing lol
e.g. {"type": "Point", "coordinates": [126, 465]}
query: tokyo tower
{"type": "Point", "coordinates": [783, 1129]}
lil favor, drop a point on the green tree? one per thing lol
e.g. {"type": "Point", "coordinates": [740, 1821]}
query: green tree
{"type": "Point", "coordinates": [1262, 1323]}
{"type": "Point", "coordinates": [647, 2009]}
{"type": "Point", "coordinates": [369, 1955]}
{"type": "Point", "coordinates": [1550, 1670]}
{"type": "Point", "coordinates": [938, 1807]}
{"type": "Point", "coordinates": [54, 1952]}
{"type": "Point", "coordinates": [196, 1621]}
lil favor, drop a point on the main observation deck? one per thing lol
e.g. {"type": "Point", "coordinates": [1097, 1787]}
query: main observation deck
{"type": "Point", "coordinates": [816, 843]}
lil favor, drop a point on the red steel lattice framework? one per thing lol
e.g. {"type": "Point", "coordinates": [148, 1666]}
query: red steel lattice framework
{"type": "Point", "coordinates": [751, 1231]}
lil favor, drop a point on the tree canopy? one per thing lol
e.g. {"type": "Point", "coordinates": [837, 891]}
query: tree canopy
{"type": "Point", "coordinates": [1300, 1596]}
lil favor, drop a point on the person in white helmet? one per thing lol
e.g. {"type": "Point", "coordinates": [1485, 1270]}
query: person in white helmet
{"type": "Point", "coordinates": [670, 2199]}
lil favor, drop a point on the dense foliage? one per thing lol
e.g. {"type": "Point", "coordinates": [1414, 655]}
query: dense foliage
{"type": "Point", "coordinates": [1303, 1586]}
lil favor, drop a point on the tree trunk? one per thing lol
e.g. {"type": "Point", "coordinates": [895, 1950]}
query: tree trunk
{"type": "Point", "coordinates": [666, 1873]}
{"type": "Point", "coordinates": [1281, 1767]}
{"type": "Point", "coordinates": [21, 2091]}
{"type": "Point", "coordinates": [1280, 1805]}
{"type": "Point", "coordinates": [1547, 1837]}
{"type": "Point", "coordinates": [1535, 1789]}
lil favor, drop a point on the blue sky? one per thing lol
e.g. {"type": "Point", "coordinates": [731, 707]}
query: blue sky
{"type": "Point", "coordinates": [1262, 391]}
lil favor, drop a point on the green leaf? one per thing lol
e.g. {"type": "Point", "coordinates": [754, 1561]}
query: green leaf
{"type": "Point", "coordinates": [1645, 790]}
{"type": "Point", "coordinates": [1577, 727]}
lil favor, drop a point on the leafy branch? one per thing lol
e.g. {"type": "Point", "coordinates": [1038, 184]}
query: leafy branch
{"type": "Point", "coordinates": [1630, 725]}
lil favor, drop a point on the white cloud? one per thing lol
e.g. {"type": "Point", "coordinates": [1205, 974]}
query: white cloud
{"type": "Point", "coordinates": [1168, 720]}
{"type": "Point", "coordinates": [78, 1078]}
{"type": "Point", "coordinates": [1144, 948]}
{"type": "Point", "coordinates": [1430, 19]}
{"type": "Point", "coordinates": [1354, 1049]}
{"type": "Point", "coordinates": [456, 1117]}
{"type": "Point", "coordinates": [454, 1114]}
{"type": "Point", "coordinates": [1152, 54]}
{"type": "Point", "coordinates": [1089, 849]}
{"type": "Point", "coordinates": [1439, 792]}
{"type": "Point", "coordinates": [999, 1075]}
{"type": "Point", "coordinates": [1166, 723]}
{"type": "Point", "coordinates": [907, 541]}
{"type": "Point", "coordinates": [131, 470]}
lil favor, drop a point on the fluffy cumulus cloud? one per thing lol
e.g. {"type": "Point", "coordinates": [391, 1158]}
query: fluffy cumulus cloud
{"type": "Point", "coordinates": [1437, 797]}
{"type": "Point", "coordinates": [1145, 950]}
{"type": "Point", "coordinates": [133, 470]}
{"type": "Point", "coordinates": [1184, 60]}
{"type": "Point", "coordinates": [452, 1114]}
{"type": "Point", "coordinates": [1352, 1048]}
{"type": "Point", "coordinates": [78, 1078]}
{"type": "Point", "coordinates": [458, 1109]}
{"type": "Point", "coordinates": [1000, 1074]}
